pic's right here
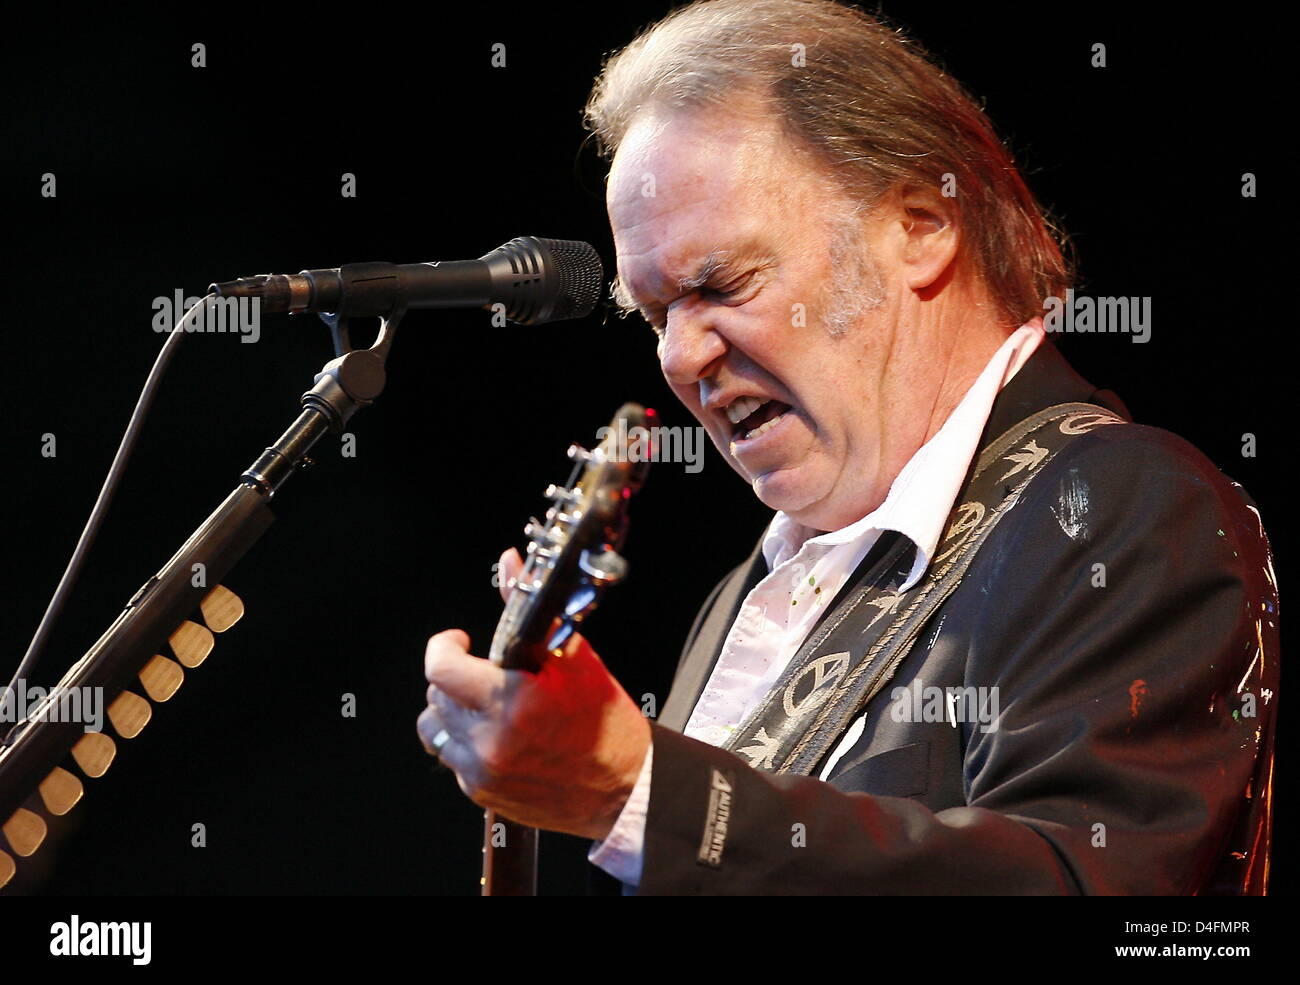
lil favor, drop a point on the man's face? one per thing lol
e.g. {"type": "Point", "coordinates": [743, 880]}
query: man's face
{"type": "Point", "coordinates": [725, 239]}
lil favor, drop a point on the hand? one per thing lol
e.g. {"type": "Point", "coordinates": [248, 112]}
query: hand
{"type": "Point", "coordinates": [560, 749]}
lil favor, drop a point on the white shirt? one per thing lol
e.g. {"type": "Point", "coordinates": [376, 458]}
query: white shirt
{"type": "Point", "coordinates": [805, 572]}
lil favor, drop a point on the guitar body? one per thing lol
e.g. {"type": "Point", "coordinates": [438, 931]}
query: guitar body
{"type": "Point", "coordinates": [571, 557]}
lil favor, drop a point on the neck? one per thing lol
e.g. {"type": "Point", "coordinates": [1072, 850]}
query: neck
{"type": "Point", "coordinates": [965, 333]}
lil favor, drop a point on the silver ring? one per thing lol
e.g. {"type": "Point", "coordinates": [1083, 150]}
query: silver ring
{"type": "Point", "coordinates": [441, 739]}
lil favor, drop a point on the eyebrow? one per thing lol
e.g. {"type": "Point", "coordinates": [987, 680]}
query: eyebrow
{"type": "Point", "coordinates": [715, 262]}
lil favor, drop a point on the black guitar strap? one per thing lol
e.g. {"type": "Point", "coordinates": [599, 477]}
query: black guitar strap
{"type": "Point", "coordinates": [841, 667]}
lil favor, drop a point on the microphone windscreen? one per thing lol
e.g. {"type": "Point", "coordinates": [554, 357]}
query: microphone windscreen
{"type": "Point", "coordinates": [580, 275]}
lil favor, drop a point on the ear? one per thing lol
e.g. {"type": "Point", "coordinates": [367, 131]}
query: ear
{"type": "Point", "coordinates": [931, 235]}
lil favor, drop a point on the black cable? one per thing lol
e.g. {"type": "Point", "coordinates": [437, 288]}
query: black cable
{"type": "Point", "coordinates": [105, 498]}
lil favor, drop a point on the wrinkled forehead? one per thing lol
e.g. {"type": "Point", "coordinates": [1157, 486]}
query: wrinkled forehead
{"type": "Point", "coordinates": [680, 189]}
{"type": "Point", "coordinates": [685, 179]}
{"type": "Point", "coordinates": [679, 155]}
{"type": "Point", "coordinates": [742, 138]}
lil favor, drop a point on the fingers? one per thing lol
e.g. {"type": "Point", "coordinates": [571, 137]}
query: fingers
{"type": "Point", "coordinates": [432, 734]}
{"type": "Point", "coordinates": [509, 566]}
{"type": "Point", "coordinates": [467, 680]}
{"type": "Point", "coordinates": [444, 649]}
{"type": "Point", "coordinates": [447, 739]}
{"type": "Point", "coordinates": [444, 645]}
{"type": "Point", "coordinates": [455, 718]}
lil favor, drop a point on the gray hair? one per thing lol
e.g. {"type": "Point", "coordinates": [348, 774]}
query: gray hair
{"type": "Point", "coordinates": [855, 286]}
{"type": "Point", "coordinates": [871, 106]}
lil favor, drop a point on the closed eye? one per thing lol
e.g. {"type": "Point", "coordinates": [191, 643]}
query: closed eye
{"type": "Point", "coordinates": [732, 293]}
{"type": "Point", "coordinates": [654, 317]}
{"type": "Point", "coordinates": [724, 293]}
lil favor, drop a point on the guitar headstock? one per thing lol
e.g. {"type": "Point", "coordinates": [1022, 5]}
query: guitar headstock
{"type": "Point", "coordinates": [572, 553]}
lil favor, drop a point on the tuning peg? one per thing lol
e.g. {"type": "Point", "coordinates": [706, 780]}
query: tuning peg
{"type": "Point", "coordinates": [129, 714]}
{"type": "Point", "coordinates": [560, 637]}
{"type": "Point", "coordinates": [25, 831]}
{"type": "Point", "coordinates": [580, 602]}
{"type": "Point", "coordinates": [577, 453]}
{"type": "Point", "coordinates": [539, 532]}
{"type": "Point", "coordinates": [606, 567]}
{"type": "Point", "coordinates": [561, 494]}
{"type": "Point", "coordinates": [221, 609]}
{"type": "Point", "coordinates": [60, 791]}
{"type": "Point", "coordinates": [94, 753]}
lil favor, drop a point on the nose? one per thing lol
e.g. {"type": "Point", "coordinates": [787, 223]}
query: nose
{"type": "Point", "coordinates": [690, 346]}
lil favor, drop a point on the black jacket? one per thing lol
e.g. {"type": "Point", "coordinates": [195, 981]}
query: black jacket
{"type": "Point", "coordinates": [1134, 749]}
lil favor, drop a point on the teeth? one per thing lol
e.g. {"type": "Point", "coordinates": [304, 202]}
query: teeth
{"type": "Point", "coordinates": [765, 426]}
{"type": "Point", "coordinates": [742, 407]}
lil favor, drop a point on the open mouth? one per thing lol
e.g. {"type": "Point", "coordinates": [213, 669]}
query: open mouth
{"type": "Point", "coordinates": [752, 416]}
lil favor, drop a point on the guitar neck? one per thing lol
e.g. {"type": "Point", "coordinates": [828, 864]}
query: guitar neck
{"type": "Point", "coordinates": [571, 557]}
{"type": "Point", "coordinates": [509, 857]}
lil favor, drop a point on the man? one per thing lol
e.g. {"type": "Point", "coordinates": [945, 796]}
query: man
{"type": "Point", "coordinates": [997, 638]}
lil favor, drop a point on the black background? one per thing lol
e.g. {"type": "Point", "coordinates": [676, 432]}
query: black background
{"type": "Point", "coordinates": [170, 176]}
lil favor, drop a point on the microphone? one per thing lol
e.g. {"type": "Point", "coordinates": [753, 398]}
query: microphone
{"type": "Point", "coordinates": [537, 280]}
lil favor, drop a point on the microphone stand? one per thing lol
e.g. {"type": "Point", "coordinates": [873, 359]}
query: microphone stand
{"type": "Point", "coordinates": [350, 381]}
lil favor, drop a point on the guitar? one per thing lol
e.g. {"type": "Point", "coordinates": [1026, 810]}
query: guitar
{"type": "Point", "coordinates": [571, 556]}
